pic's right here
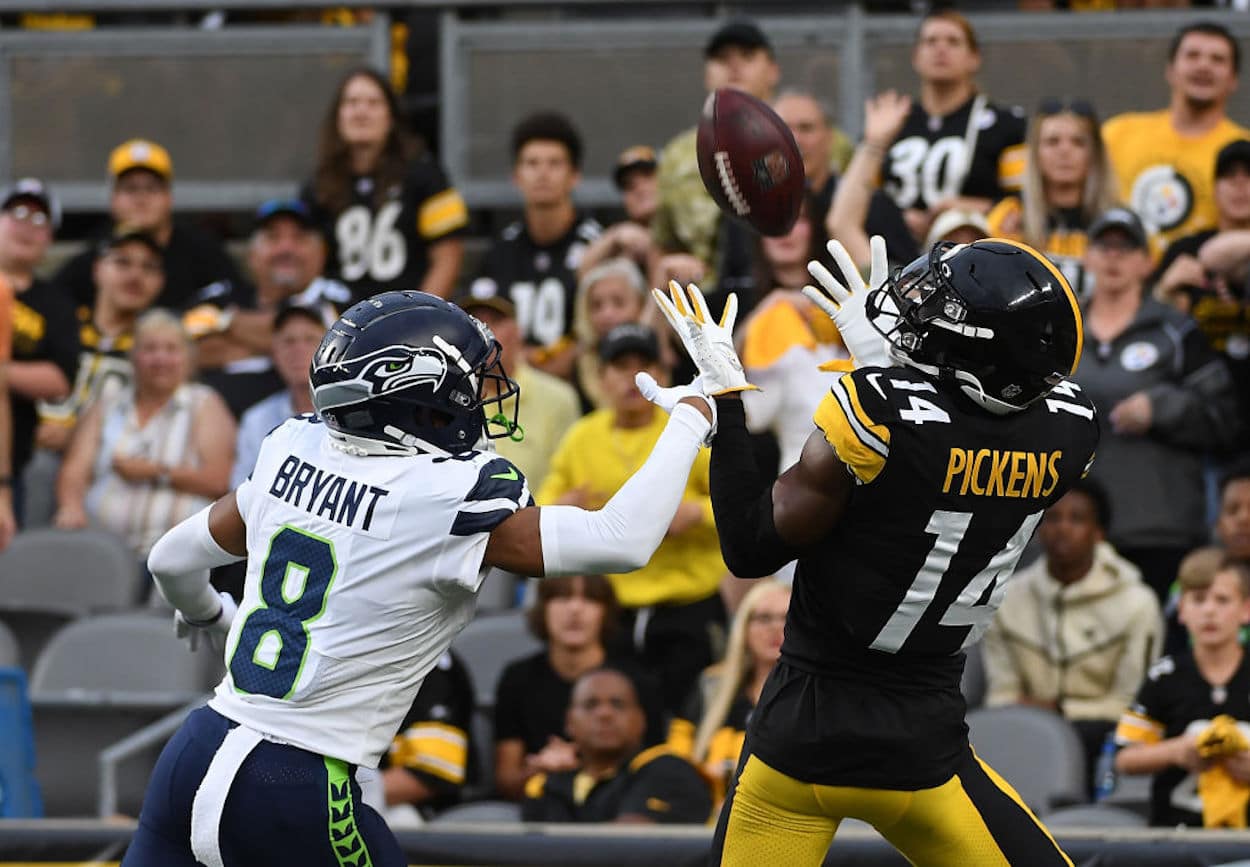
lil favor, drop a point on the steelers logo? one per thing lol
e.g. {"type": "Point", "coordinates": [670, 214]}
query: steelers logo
{"type": "Point", "coordinates": [1162, 198]}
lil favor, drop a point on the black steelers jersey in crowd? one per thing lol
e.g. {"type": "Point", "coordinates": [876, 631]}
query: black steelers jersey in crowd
{"type": "Point", "coordinates": [375, 247]}
{"type": "Point", "coordinates": [540, 279]}
{"type": "Point", "coordinates": [1173, 700]}
{"type": "Point", "coordinates": [925, 165]}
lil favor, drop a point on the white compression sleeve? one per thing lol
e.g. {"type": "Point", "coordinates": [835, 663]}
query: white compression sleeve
{"type": "Point", "coordinates": [179, 562]}
{"type": "Point", "coordinates": [624, 534]}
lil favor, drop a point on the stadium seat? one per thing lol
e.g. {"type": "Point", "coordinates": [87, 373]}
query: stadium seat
{"type": "Point", "coordinates": [1093, 816]}
{"type": "Point", "coordinates": [488, 644]}
{"type": "Point", "coordinates": [480, 811]}
{"type": "Point", "coordinates": [498, 592]}
{"type": "Point", "coordinates": [10, 656]}
{"type": "Point", "coordinates": [134, 653]}
{"type": "Point", "coordinates": [1037, 751]}
{"type": "Point", "coordinates": [974, 684]}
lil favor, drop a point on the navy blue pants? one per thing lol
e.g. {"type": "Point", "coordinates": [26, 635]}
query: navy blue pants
{"type": "Point", "coordinates": [286, 806]}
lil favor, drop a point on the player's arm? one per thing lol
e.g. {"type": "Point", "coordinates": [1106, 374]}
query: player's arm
{"type": "Point", "coordinates": [622, 536]}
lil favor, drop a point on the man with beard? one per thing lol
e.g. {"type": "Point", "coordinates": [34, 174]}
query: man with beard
{"type": "Point", "coordinates": [1163, 158]}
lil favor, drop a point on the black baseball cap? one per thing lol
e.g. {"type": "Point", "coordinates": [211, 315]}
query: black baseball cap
{"type": "Point", "coordinates": [1122, 219]}
{"type": "Point", "coordinates": [293, 208]}
{"type": "Point", "coordinates": [629, 337]}
{"type": "Point", "coordinates": [34, 190]}
{"type": "Point", "coordinates": [1235, 153]}
{"type": "Point", "coordinates": [636, 158]}
{"type": "Point", "coordinates": [289, 310]}
{"type": "Point", "coordinates": [742, 32]}
{"type": "Point", "coordinates": [125, 234]}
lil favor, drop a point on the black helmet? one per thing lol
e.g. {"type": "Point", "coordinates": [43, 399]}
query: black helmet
{"type": "Point", "coordinates": [995, 316]}
{"type": "Point", "coordinates": [403, 372]}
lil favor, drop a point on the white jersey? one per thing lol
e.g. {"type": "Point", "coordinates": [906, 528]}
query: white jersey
{"type": "Point", "coordinates": [361, 572]}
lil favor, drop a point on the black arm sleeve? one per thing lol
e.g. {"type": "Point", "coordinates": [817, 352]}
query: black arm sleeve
{"type": "Point", "coordinates": [742, 499]}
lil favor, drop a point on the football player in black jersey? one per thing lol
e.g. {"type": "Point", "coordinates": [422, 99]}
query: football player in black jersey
{"type": "Point", "coordinates": [931, 466]}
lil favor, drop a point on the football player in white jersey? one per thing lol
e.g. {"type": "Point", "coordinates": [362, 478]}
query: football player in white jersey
{"type": "Point", "coordinates": [368, 530]}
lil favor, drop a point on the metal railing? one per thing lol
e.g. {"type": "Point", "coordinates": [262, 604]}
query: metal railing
{"type": "Point", "coordinates": [152, 735]}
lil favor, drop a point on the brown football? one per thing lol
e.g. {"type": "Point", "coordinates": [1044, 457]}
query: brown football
{"type": "Point", "coordinates": [750, 162]}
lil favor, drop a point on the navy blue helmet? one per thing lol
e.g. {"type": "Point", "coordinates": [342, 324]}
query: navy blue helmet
{"type": "Point", "coordinates": [406, 371]}
{"type": "Point", "coordinates": [994, 316]}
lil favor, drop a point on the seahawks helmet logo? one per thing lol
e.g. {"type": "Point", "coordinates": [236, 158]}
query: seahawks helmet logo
{"type": "Point", "coordinates": [396, 368]}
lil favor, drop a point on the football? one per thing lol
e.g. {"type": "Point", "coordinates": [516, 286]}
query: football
{"type": "Point", "coordinates": [749, 161]}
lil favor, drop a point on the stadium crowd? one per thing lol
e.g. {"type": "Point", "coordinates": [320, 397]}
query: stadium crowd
{"type": "Point", "coordinates": [143, 373]}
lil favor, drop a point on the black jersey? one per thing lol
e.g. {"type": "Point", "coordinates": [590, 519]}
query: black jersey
{"type": "Point", "coordinates": [540, 279]}
{"type": "Point", "coordinates": [380, 243]}
{"type": "Point", "coordinates": [1173, 700]}
{"type": "Point", "coordinates": [929, 162]}
{"type": "Point", "coordinates": [45, 328]}
{"type": "Point", "coordinates": [948, 496]}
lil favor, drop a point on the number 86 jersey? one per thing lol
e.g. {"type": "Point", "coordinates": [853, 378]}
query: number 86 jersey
{"type": "Point", "coordinates": [361, 571]}
{"type": "Point", "coordinates": [947, 496]}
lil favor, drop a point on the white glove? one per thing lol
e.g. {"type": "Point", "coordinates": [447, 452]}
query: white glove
{"type": "Point", "coordinates": [668, 398]}
{"type": "Point", "coordinates": [846, 306]}
{"type": "Point", "coordinates": [710, 345]}
{"type": "Point", "coordinates": [213, 631]}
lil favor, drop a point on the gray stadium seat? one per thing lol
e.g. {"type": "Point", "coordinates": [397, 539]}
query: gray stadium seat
{"type": "Point", "coordinates": [1037, 751]}
{"type": "Point", "coordinates": [480, 811]}
{"type": "Point", "coordinates": [135, 653]}
{"type": "Point", "coordinates": [10, 657]}
{"type": "Point", "coordinates": [498, 592]}
{"type": "Point", "coordinates": [974, 684]}
{"type": "Point", "coordinates": [488, 644]}
{"type": "Point", "coordinates": [1094, 816]}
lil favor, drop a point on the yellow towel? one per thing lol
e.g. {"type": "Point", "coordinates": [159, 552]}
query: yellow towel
{"type": "Point", "coordinates": [1223, 798]}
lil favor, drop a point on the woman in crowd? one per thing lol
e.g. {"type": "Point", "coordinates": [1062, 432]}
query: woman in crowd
{"type": "Point", "coordinates": [576, 617]}
{"type": "Point", "coordinates": [155, 452]}
{"type": "Point", "coordinates": [391, 216]}
{"type": "Point", "coordinates": [711, 729]}
{"type": "Point", "coordinates": [608, 295]}
{"type": "Point", "coordinates": [1068, 181]}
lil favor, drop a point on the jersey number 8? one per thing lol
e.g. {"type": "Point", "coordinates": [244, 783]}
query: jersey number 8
{"type": "Point", "coordinates": [273, 643]}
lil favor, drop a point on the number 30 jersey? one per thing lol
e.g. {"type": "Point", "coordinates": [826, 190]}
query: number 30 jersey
{"type": "Point", "coordinates": [361, 571]}
{"type": "Point", "coordinates": [947, 496]}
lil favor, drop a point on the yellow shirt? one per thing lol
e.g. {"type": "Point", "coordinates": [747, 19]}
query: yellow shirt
{"type": "Point", "coordinates": [1065, 246]}
{"type": "Point", "coordinates": [1167, 178]}
{"type": "Point", "coordinates": [598, 458]}
{"type": "Point", "coordinates": [549, 407]}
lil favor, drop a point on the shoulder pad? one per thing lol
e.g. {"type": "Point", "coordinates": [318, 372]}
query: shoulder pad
{"type": "Point", "coordinates": [500, 490]}
{"type": "Point", "coordinates": [854, 418]}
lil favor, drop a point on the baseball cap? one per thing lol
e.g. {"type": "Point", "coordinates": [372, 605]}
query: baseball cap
{"type": "Point", "coordinates": [34, 190]}
{"type": "Point", "coordinates": [956, 218]}
{"type": "Point", "coordinates": [124, 234]}
{"type": "Point", "coordinates": [283, 208]}
{"type": "Point", "coordinates": [1118, 218]}
{"type": "Point", "coordinates": [742, 32]}
{"type": "Point", "coordinates": [140, 153]}
{"type": "Point", "coordinates": [501, 305]}
{"type": "Point", "coordinates": [290, 309]}
{"type": "Point", "coordinates": [638, 157]}
{"type": "Point", "coordinates": [1235, 153]}
{"type": "Point", "coordinates": [629, 337]}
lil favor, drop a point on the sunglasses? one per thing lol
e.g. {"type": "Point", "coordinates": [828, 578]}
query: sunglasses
{"type": "Point", "coordinates": [1079, 107]}
{"type": "Point", "coordinates": [27, 214]}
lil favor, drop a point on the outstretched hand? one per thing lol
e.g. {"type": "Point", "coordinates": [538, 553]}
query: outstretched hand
{"type": "Point", "coordinates": [668, 398]}
{"type": "Point", "coordinates": [709, 343]}
{"type": "Point", "coordinates": [847, 305]}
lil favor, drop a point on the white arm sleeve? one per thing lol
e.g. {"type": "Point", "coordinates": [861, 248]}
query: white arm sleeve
{"type": "Point", "coordinates": [179, 562]}
{"type": "Point", "coordinates": [622, 536]}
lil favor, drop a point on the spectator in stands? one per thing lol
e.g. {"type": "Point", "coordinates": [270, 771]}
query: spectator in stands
{"type": "Point", "coordinates": [635, 178]}
{"type": "Point", "coordinates": [711, 728]}
{"type": "Point", "coordinates": [956, 226]}
{"type": "Point", "coordinates": [391, 215]}
{"type": "Point", "coordinates": [297, 332]}
{"type": "Point", "coordinates": [615, 779]}
{"type": "Point", "coordinates": [866, 211]}
{"type": "Point", "coordinates": [1232, 527]}
{"type": "Point", "coordinates": [954, 147]}
{"type": "Point", "coordinates": [577, 618]}
{"type": "Point", "coordinates": [1068, 181]}
{"type": "Point", "coordinates": [1207, 274]}
{"type": "Point", "coordinates": [45, 330]}
{"type": "Point", "coordinates": [233, 321]}
{"type": "Point", "coordinates": [548, 404]}
{"type": "Point", "coordinates": [142, 198]}
{"type": "Point", "coordinates": [127, 276]}
{"type": "Point", "coordinates": [1077, 629]}
{"type": "Point", "coordinates": [8, 521]}
{"type": "Point", "coordinates": [608, 295]}
{"type": "Point", "coordinates": [534, 261]}
{"type": "Point", "coordinates": [152, 454]}
{"type": "Point", "coordinates": [1164, 400]}
{"type": "Point", "coordinates": [673, 602]}
{"type": "Point", "coordinates": [430, 760]}
{"type": "Point", "coordinates": [1163, 158]}
{"type": "Point", "coordinates": [688, 220]}
{"type": "Point", "coordinates": [1189, 723]}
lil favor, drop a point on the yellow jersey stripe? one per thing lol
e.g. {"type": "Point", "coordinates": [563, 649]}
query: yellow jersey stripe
{"type": "Point", "coordinates": [1068, 293]}
{"type": "Point", "coordinates": [441, 214]}
{"type": "Point", "coordinates": [1011, 167]}
{"type": "Point", "coordinates": [876, 436]}
{"type": "Point", "coordinates": [1134, 728]}
{"type": "Point", "coordinates": [440, 749]}
{"type": "Point", "coordinates": [834, 422]}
